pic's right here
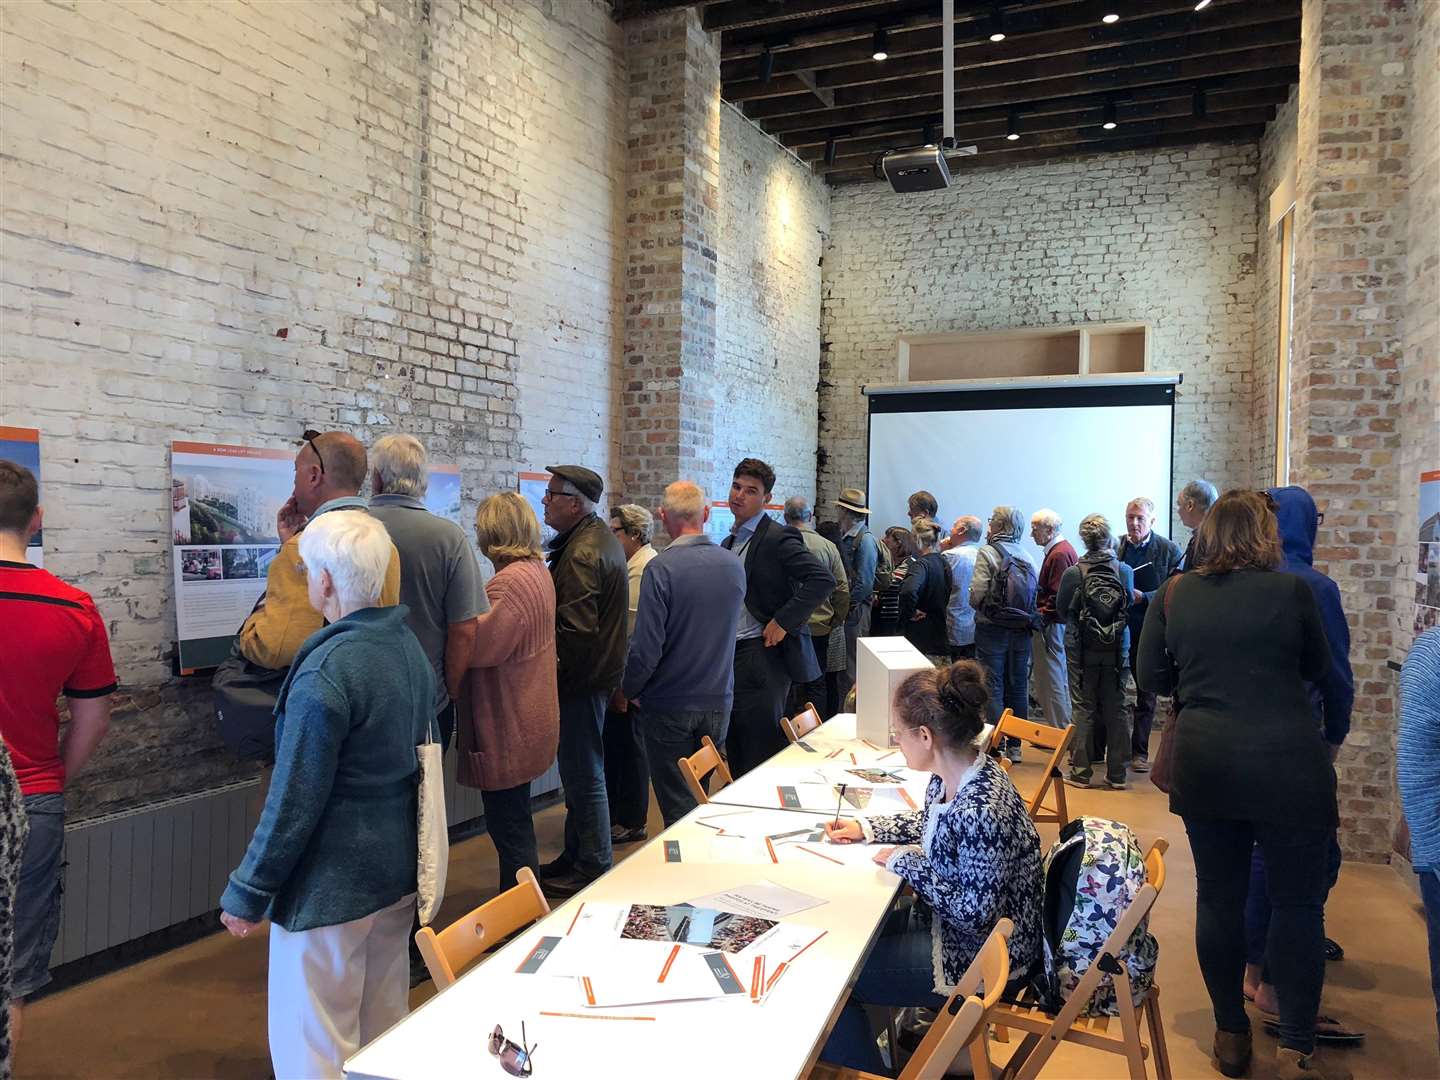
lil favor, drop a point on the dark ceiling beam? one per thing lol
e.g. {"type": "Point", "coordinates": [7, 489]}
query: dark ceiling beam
{"type": "Point", "coordinates": [993, 66]}
{"type": "Point", "coordinates": [1130, 121]}
{"type": "Point", "coordinates": [822, 94]}
{"type": "Point", "coordinates": [737, 14]}
{"type": "Point", "coordinates": [808, 126]}
{"type": "Point", "coordinates": [828, 29]}
{"type": "Point", "coordinates": [992, 90]}
{"type": "Point", "coordinates": [1076, 27]}
{"type": "Point", "coordinates": [997, 158]}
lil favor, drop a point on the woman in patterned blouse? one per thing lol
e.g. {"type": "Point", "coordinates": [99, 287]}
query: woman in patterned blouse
{"type": "Point", "coordinates": [972, 856]}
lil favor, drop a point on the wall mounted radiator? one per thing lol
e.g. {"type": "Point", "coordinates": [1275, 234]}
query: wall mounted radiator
{"type": "Point", "coordinates": [139, 871]}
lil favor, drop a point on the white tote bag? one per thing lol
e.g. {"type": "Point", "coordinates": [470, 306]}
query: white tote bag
{"type": "Point", "coordinates": [433, 850]}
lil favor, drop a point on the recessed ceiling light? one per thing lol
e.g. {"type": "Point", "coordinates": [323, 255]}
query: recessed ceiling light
{"type": "Point", "coordinates": [997, 36]}
{"type": "Point", "coordinates": [1202, 5]}
{"type": "Point", "coordinates": [1111, 18]}
{"type": "Point", "coordinates": [1109, 124]}
{"type": "Point", "coordinates": [1012, 129]}
{"type": "Point", "coordinates": [879, 50]}
{"type": "Point", "coordinates": [997, 27]}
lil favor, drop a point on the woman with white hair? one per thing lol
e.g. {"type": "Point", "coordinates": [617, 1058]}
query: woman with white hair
{"type": "Point", "coordinates": [332, 861]}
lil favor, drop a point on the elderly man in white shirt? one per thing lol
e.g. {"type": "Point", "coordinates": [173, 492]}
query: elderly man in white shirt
{"type": "Point", "coordinates": [627, 772]}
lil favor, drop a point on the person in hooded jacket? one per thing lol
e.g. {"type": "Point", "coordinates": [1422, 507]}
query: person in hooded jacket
{"type": "Point", "coordinates": [1332, 697]}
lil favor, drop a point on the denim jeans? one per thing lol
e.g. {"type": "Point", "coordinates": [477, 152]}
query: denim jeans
{"type": "Point", "coordinates": [1296, 858]}
{"type": "Point", "coordinates": [38, 893]}
{"type": "Point", "coordinates": [669, 736]}
{"type": "Point", "coordinates": [1430, 893]}
{"type": "Point", "coordinates": [1257, 903]}
{"type": "Point", "coordinates": [627, 774]}
{"type": "Point", "coordinates": [1005, 655]}
{"type": "Point", "coordinates": [581, 758]}
{"type": "Point", "coordinates": [512, 829]}
{"type": "Point", "coordinates": [1143, 717]}
{"type": "Point", "coordinates": [817, 693]}
{"type": "Point", "coordinates": [897, 973]}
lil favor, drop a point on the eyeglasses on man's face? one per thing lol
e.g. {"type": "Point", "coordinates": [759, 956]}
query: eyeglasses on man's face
{"type": "Point", "coordinates": [553, 493]}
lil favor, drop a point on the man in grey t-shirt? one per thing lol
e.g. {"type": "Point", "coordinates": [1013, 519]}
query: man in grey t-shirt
{"type": "Point", "coordinates": [439, 576]}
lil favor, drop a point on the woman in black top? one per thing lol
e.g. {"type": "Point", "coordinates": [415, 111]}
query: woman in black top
{"type": "Point", "coordinates": [925, 595]}
{"type": "Point", "coordinates": [900, 542]}
{"type": "Point", "coordinates": [1234, 642]}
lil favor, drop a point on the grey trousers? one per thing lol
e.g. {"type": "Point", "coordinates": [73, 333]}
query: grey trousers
{"type": "Point", "coordinates": [1049, 680]}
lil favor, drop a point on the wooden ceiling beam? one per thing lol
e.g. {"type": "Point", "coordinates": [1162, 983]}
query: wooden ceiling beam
{"type": "Point", "coordinates": [994, 92]}
{"type": "Point", "coordinates": [623, 10]}
{"type": "Point", "coordinates": [738, 14]}
{"type": "Point", "coordinates": [1129, 123]}
{"type": "Point", "coordinates": [803, 127]}
{"type": "Point", "coordinates": [1072, 29]}
{"type": "Point", "coordinates": [999, 158]}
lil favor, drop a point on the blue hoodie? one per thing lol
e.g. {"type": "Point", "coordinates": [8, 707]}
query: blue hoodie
{"type": "Point", "coordinates": [1334, 694]}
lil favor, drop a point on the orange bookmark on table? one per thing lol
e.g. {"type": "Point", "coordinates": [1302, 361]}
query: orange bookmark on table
{"type": "Point", "coordinates": [668, 961]}
{"type": "Point", "coordinates": [908, 800]}
{"type": "Point", "coordinates": [771, 848]}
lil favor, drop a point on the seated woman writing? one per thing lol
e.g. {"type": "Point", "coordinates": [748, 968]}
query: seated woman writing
{"type": "Point", "coordinates": [972, 856]}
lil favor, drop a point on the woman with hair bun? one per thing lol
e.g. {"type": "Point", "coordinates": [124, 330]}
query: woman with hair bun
{"type": "Point", "coordinates": [972, 856]}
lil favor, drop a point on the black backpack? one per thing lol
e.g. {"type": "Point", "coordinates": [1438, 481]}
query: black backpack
{"type": "Point", "coordinates": [1101, 608]}
{"type": "Point", "coordinates": [1010, 597]}
{"type": "Point", "coordinates": [245, 697]}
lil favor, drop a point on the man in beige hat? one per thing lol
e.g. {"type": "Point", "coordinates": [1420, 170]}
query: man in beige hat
{"type": "Point", "coordinates": [863, 553]}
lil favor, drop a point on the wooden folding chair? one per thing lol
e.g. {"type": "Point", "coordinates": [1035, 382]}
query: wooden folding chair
{"type": "Point", "coordinates": [453, 949]}
{"type": "Point", "coordinates": [698, 766]}
{"type": "Point", "coordinates": [1043, 1033]}
{"type": "Point", "coordinates": [804, 722]}
{"type": "Point", "coordinates": [961, 1022]}
{"type": "Point", "coordinates": [1057, 741]}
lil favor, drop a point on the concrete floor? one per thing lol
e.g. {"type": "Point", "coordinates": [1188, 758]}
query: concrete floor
{"type": "Point", "coordinates": [199, 1011]}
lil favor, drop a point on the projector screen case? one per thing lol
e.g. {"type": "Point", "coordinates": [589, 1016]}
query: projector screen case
{"type": "Point", "coordinates": [1077, 446]}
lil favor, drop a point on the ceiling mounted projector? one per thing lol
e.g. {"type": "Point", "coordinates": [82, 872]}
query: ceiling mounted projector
{"type": "Point", "coordinates": [922, 168]}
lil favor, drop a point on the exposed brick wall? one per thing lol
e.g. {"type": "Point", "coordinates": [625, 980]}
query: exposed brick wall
{"type": "Point", "coordinates": [1166, 237]}
{"type": "Point", "coordinates": [1350, 283]}
{"type": "Point", "coordinates": [1277, 155]}
{"type": "Point", "coordinates": [382, 180]}
{"type": "Point", "coordinates": [774, 216]}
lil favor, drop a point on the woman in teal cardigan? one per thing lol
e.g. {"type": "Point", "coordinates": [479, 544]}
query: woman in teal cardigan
{"type": "Point", "coordinates": [332, 861]}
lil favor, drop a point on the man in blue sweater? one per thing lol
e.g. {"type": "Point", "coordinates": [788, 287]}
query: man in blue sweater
{"type": "Point", "coordinates": [680, 668]}
{"type": "Point", "coordinates": [1332, 698]}
{"type": "Point", "coordinates": [1419, 751]}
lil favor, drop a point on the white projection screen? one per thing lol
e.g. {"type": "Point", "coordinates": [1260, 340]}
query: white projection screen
{"type": "Point", "coordinates": [1076, 449]}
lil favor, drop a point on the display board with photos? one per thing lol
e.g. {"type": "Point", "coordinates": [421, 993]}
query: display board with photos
{"type": "Point", "coordinates": [223, 504]}
{"type": "Point", "coordinates": [1427, 561]}
{"type": "Point", "coordinates": [22, 446]}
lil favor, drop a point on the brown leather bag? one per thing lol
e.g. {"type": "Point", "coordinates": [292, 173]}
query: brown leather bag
{"type": "Point", "coordinates": [1163, 767]}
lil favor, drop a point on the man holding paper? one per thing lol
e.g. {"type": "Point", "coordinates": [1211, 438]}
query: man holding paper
{"type": "Point", "coordinates": [1151, 557]}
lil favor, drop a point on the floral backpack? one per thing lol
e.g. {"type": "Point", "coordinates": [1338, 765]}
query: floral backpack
{"type": "Point", "coordinates": [1092, 874]}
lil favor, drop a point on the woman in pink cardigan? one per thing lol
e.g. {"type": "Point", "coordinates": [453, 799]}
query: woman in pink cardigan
{"type": "Point", "coordinates": [510, 712]}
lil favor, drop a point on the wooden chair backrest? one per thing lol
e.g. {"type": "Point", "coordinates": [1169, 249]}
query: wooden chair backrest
{"type": "Point", "coordinates": [963, 1016]}
{"type": "Point", "coordinates": [453, 949]}
{"type": "Point", "coordinates": [804, 722]}
{"type": "Point", "coordinates": [699, 765]}
{"type": "Point", "coordinates": [1057, 740]}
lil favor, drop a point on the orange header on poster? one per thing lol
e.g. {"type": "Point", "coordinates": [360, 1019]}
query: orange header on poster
{"type": "Point", "coordinates": [1425, 477]}
{"type": "Point", "coordinates": [20, 434]}
{"type": "Point", "coordinates": [221, 450]}
{"type": "Point", "coordinates": [452, 470]}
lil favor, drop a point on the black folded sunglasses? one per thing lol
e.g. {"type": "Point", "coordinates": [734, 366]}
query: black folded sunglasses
{"type": "Point", "coordinates": [309, 435]}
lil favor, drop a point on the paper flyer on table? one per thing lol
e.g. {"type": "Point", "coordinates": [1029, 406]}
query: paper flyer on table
{"type": "Point", "coordinates": [761, 899]}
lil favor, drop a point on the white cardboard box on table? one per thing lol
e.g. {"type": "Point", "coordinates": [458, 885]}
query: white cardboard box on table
{"type": "Point", "coordinates": [881, 665]}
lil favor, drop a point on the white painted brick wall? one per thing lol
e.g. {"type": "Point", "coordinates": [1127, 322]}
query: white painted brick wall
{"type": "Point", "coordinates": [433, 212]}
{"type": "Point", "coordinates": [774, 215]}
{"type": "Point", "coordinates": [1167, 237]}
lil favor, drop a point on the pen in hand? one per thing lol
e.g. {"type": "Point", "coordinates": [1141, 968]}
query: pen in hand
{"type": "Point", "coordinates": [838, 802]}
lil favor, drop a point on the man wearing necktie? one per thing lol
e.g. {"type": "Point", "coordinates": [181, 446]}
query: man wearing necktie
{"type": "Point", "coordinates": [784, 583]}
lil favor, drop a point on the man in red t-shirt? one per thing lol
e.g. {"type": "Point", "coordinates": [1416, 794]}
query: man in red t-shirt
{"type": "Point", "coordinates": [52, 641]}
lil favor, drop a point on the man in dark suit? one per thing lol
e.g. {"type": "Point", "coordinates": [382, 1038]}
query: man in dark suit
{"type": "Point", "coordinates": [784, 583]}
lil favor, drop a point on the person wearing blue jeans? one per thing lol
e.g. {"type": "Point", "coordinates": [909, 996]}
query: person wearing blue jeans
{"type": "Point", "coordinates": [1419, 779]}
{"type": "Point", "coordinates": [581, 759]}
{"type": "Point", "coordinates": [669, 736]}
{"type": "Point", "coordinates": [1003, 649]}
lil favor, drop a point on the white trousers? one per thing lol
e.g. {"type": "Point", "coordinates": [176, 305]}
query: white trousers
{"type": "Point", "coordinates": [1049, 682]}
{"type": "Point", "coordinates": [335, 988]}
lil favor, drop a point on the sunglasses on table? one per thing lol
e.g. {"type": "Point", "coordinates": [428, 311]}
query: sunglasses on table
{"type": "Point", "coordinates": [514, 1059]}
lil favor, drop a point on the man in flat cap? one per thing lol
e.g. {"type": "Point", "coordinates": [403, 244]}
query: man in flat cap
{"type": "Point", "coordinates": [587, 565]}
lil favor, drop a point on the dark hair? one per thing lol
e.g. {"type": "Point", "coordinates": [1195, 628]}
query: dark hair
{"type": "Point", "coordinates": [1239, 533]}
{"type": "Point", "coordinates": [19, 496]}
{"type": "Point", "coordinates": [754, 467]}
{"type": "Point", "coordinates": [902, 536]}
{"type": "Point", "coordinates": [949, 700]}
{"type": "Point", "coordinates": [923, 504]}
